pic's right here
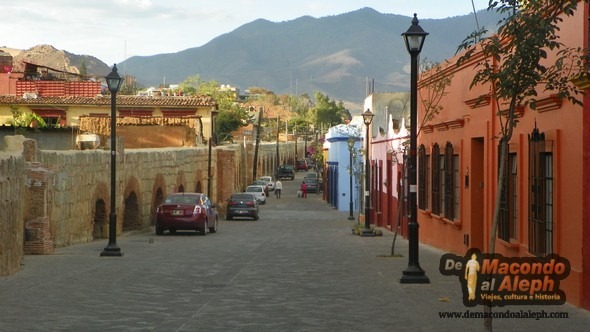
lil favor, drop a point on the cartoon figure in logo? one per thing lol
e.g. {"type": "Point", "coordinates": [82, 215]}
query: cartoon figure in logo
{"type": "Point", "coordinates": [471, 269]}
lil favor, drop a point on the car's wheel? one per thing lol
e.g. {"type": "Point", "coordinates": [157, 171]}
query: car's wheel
{"type": "Point", "coordinates": [214, 228]}
{"type": "Point", "coordinates": [159, 230]}
{"type": "Point", "coordinates": [228, 217]}
{"type": "Point", "coordinates": [203, 230]}
{"type": "Point", "coordinates": [172, 231]}
{"type": "Point", "coordinates": [255, 217]}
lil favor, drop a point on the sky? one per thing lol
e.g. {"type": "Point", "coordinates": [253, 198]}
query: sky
{"type": "Point", "coordinates": [114, 30]}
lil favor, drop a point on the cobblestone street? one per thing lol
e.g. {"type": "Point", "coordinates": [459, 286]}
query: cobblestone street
{"type": "Point", "coordinates": [298, 268]}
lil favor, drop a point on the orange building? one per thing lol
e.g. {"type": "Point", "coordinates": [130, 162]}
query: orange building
{"type": "Point", "coordinates": [546, 207]}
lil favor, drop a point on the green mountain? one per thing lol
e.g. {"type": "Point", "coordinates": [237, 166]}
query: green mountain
{"type": "Point", "coordinates": [340, 55]}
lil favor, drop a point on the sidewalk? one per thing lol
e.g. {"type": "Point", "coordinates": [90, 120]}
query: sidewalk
{"type": "Point", "coordinates": [298, 268]}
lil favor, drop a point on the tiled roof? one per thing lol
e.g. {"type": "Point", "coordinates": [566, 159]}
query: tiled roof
{"type": "Point", "coordinates": [122, 101]}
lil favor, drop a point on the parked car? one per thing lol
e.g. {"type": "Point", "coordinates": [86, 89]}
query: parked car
{"type": "Point", "coordinates": [312, 185]}
{"type": "Point", "coordinates": [314, 177]}
{"type": "Point", "coordinates": [311, 176]}
{"type": "Point", "coordinates": [242, 205]}
{"type": "Point", "coordinates": [302, 165]}
{"type": "Point", "coordinates": [269, 182]}
{"type": "Point", "coordinates": [261, 183]}
{"type": "Point", "coordinates": [186, 211]}
{"type": "Point", "coordinates": [258, 191]}
{"type": "Point", "coordinates": [285, 172]}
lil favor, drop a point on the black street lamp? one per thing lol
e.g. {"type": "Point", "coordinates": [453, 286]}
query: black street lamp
{"type": "Point", "coordinates": [367, 119]}
{"type": "Point", "coordinates": [213, 114]}
{"type": "Point", "coordinates": [414, 39]}
{"type": "Point", "coordinates": [114, 83]}
{"type": "Point", "coordinates": [350, 147]}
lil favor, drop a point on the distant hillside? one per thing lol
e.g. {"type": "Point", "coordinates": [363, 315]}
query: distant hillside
{"type": "Point", "coordinates": [337, 55]}
{"type": "Point", "coordinates": [49, 56]}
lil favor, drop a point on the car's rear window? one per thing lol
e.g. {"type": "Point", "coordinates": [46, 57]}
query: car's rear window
{"type": "Point", "coordinates": [254, 189]}
{"type": "Point", "coordinates": [184, 200]}
{"type": "Point", "coordinates": [242, 196]}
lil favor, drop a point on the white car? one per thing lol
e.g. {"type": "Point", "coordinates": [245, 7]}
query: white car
{"type": "Point", "coordinates": [269, 182]}
{"type": "Point", "coordinates": [258, 191]}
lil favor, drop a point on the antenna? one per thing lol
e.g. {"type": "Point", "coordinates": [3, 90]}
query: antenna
{"type": "Point", "coordinates": [475, 14]}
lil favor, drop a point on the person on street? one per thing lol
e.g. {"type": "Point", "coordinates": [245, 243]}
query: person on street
{"type": "Point", "coordinates": [303, 190]}
{"type": "Point", "coordinates": [278, 188]}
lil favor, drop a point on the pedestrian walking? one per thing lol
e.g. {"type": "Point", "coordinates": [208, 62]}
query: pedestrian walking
{"type": "Point", "coordinates": [303, 190]}
{"type": "Point", "coordinates": [278, 188]}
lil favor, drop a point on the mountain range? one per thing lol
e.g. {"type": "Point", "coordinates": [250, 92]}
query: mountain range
{"type": "Point", "coordinates": [343, 56]}
{"type": "Point", "coordinates": [340, 55]}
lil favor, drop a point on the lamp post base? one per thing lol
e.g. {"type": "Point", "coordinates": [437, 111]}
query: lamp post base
{"type": "Point", "coordinates": [367, 233]}
{"type": "Point", "coordinates": [414, 275]}
{"type": "Point", "coordinates": [111, 251]}
{"type": "Point", "coordinates": [351, 218]}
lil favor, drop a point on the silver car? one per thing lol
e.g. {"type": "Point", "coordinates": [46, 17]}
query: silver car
{"type": "Point", "coordinates": [269, 182]}
{"type": "Point", "coordinates": [258, 191]}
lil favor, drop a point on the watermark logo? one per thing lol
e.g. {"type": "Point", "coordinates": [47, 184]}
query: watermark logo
{"type": "Point", "coordinates": [496, 280]}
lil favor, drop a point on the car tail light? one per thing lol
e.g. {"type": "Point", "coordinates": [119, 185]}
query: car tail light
{"type": "Point", "coordinates": [231, 203]}
{"type": "Point", "coordinates": [197, 210]}
{"type": "Point", "coordinates": [250, 203]}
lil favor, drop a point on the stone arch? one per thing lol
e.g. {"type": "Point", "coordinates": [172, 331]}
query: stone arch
{"type": "Point", "coordinates": [99, 229]}
{"type": "Point", "coordinates": [180, 182]}
{"type": "Point", "coordinates": [158, 195]}
{"type": "Point", "coordinates": [131, 210]}
{"type": "Point", "coordinates": [199, 181]}
{"type": "Point", "coordinates": [100, 209]}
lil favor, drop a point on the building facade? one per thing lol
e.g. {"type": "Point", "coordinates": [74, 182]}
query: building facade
{"type": "Point", "coordinates": [544, 207]}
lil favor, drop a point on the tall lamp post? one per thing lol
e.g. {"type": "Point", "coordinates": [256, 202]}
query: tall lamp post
{"type": "Point", "coordinates": [350, 147]}
{"type": "Point", "coordinates": [214, 113]}
{"type": "Point", "coordinates": [367, 119]}
{"type": "Point", "coordinates": [114, 83]}
{"type": "Point", "coordinates": [414, 39]}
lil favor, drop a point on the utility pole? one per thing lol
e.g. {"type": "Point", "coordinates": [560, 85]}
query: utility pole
{"type": "Point", "coordinates": [258, 127]}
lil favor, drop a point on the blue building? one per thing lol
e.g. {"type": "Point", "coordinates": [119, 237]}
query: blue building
{"type": "Point", "coordinates": [344, 142]}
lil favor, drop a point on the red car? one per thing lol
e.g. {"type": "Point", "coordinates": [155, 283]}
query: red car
{"type": "Point", "coordinates": [186, 211]}
{"type": "Point", "coordinates": [302, 165]}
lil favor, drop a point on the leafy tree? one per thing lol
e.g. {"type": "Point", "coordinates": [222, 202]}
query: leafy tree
{"type": "Point", "coordinates": [21, 120]}
{"type": "Point", "coordinates": [190, 85]}
{"type": "Point", "coordinates": [516, 65]}
{"type": "Point", "coordinates": [328, 112]}
{"type": "Point", "coordinates": [231, 114]}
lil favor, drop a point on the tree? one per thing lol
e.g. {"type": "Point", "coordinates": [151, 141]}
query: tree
{"type": "Point", "coordinates": [231, 114]}
{"type": "Point", "coordinates": [327, 112]}
{"type": "Point", "coordinates": [21, 120]}
{"type": "Point", "coordinates": [190, 85]}
{"type": "Point", "coordinates": [434, 88]}
{"type": "Point", "coordinates": [515, 65]}
{"type": "Point", "coordinates": [83, 70]}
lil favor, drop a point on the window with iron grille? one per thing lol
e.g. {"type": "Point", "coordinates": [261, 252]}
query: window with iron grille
{"type": "Point", "coordinates": [448, 188]}
{"type": "Point", "coordinates": [508, 222]}
{"type": "Point", "coordinates": [422, 178]}
{"type": "Point", "coordinates": [456, 188]}
{"type": "Point", "coordinates": [436, 179]}
{"type": "Point", "coordinates": [540, 194]}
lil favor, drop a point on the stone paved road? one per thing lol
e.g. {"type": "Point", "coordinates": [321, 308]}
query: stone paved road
{"type": "Point", "coordinates": [298, 268]}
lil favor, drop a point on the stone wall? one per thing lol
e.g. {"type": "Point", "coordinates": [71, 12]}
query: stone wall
{"type": "Point", "coordinates": [12, 176]}
{"type": "Point", "coordinates": [62, 198]}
